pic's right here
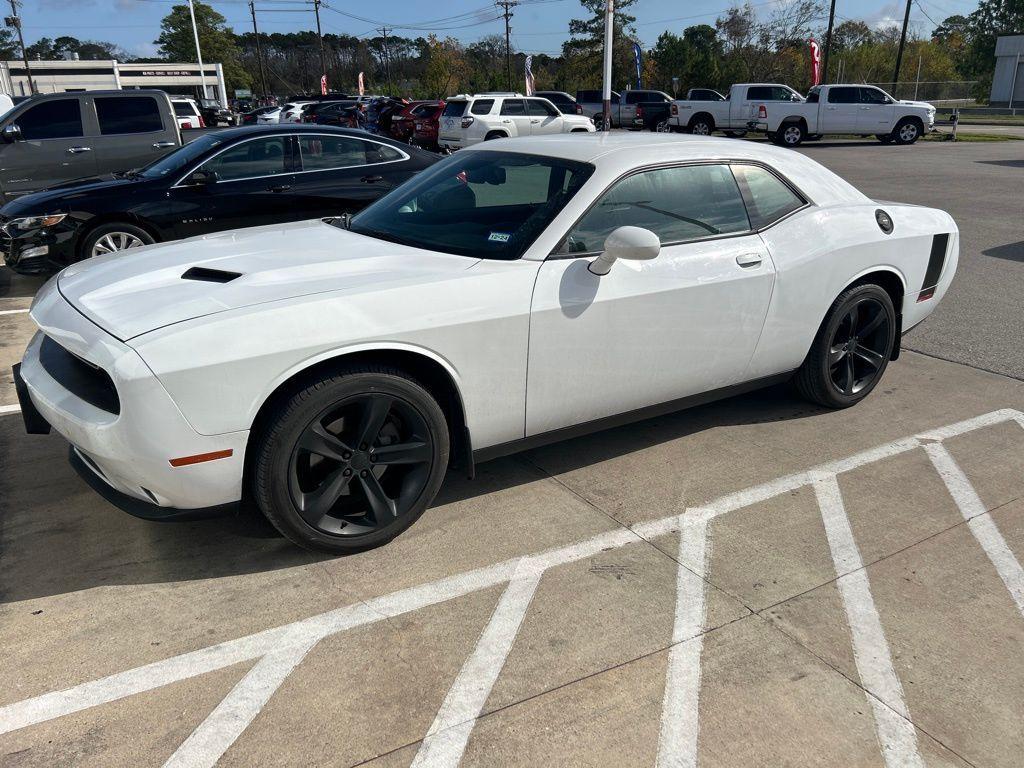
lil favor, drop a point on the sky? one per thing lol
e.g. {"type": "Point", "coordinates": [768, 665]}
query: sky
{"type": "Point", "coordinates": [538, 26]}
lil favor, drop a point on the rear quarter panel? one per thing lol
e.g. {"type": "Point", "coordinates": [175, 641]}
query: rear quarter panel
{"type": "Point", "coordinates": [819, 252]}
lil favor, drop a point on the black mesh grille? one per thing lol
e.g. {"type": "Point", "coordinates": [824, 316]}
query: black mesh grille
{"type": "Point", "coordinates": [78, 377]}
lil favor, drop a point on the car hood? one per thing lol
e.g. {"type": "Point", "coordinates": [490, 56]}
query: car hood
{"type": "Point", "coordinates": [131, 294]}
{"type": "Point", "coordinates": [55, 199]}
{"type": "Point", "coordinates": [921, 104]}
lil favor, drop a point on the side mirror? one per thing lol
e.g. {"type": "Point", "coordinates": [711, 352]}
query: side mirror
{"type": "Point", "coordinates": [203, 178]}
{"type": "Point", "coordinates": [630, 243]}
{"type": "Point", "coordinates": [11, 133]}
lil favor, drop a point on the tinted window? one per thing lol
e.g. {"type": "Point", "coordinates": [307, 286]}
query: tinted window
{"type": "Point", "coordinates": [677, 204]}
{"type": "Point", "coordinates": [588, 96]}
{"type": "Point", "coordinates": [181, 157]}
{"type": "Point", "coordinates": [632, 97]}
{"type": "Point", "coordinates": [872, 96]}
{"type": "Point", "coordinates": [455, 108]}
{"type": "Point", "coordinates": [128, 114]}
{"type": "Point", "coordinates": [557, 98]}
{"type": "Point", "coordinates": [843, 95]}
{"type": "Point", "coordinates": [60, 119]}
{"type": "Point", "coordinates": [259, 157]}
{"type": "Point", "coordinates": [812, 96]}
{"type": "Point", "coordinates": [320, 153]}
{"type": "Point", "coordinates": [759, 93]}
{"type": "Point", "coordinates": [770, 198]}
{"type": "Point", "coordinates": [782, 94]}
{"type": "Point", "coordinates": [513, 107]}
{"type": "Point", "coordinates": [482, 106]}
{"type": "Point", "coordinates": [540, 108]}
{"type": "Point", "coordinates": [481, 204]}
{"type": "Point", "coordinates": [183, 109]}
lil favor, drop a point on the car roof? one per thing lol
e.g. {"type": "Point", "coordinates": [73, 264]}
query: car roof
{"type": "Point", "coordinates": [621, 152]}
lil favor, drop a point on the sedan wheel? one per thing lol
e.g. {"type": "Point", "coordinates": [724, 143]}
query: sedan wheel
{"type": "Point", "coordinates": [115, 241]}
{"type": "Point", "coordinates": [112, 238]}
{"type": "Point", "coordinates": [851, 350]}
{"type": "Point", "coordinates": [352, 461]}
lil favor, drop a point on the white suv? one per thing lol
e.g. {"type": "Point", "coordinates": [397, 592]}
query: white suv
{"type": "Point", "coordinates": [471, 119]}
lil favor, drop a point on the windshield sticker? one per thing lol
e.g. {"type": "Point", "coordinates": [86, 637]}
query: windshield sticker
{"type": "Point", "coordinates": [499, 237]}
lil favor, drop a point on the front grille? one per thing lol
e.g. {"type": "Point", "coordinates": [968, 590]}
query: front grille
{"type": "Point", "coordinates": [82, 379]}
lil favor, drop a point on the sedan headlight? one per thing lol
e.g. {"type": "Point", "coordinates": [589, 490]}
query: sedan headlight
{"type": "Point", "coordinates": [36, 222]}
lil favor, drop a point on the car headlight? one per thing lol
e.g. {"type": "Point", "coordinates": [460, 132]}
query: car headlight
{"type": "Point", "coordinates": [36, 222]}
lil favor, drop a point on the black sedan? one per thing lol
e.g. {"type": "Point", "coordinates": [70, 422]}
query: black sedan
{"type": "Point", "coordinates": [227, 179]}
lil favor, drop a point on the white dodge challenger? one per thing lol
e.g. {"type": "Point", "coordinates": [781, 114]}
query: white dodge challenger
{"type": "Point", "coordinates": [518, 292]}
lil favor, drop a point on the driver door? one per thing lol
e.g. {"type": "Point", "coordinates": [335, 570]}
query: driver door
{"type": "Point", "coordinates": [648, 332]}
{"type": "Point", "coordinates": [544, 118]}
{"type": "Point", "coordinates": [876, 111]}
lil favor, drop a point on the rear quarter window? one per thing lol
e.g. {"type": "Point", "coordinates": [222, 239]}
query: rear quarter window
{"type": "Point", "coordinates": [455, 108]}
{"type": "Point", "coordinates": [482, 106]}
{"type": "Point", "coordinates": [767, 197]}
{"type": "Point", "coordinates": [128, 114]}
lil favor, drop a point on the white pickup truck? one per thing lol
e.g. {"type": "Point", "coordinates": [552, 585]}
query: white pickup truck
{"type": "Point", "coordinates": [860, 109]}
{"type": "Point", "coordinates": [731, 115]}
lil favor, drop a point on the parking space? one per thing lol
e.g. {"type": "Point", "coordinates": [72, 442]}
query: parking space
{"type": "Point", "coordinates": [752, 582]}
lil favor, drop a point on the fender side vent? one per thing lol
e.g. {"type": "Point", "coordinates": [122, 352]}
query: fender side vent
{"type": "Point", "coordinates": [206, 275]}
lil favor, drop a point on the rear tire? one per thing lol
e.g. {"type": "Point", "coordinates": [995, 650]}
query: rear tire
{"type": "Point", "coordinates": [701, 126]}
{"type": "Point", "coordinates": [851, 350]}
{"type": "Point", "coordinates": [351, 460]}
{"type": "Point", "coordinates": [790, 135]}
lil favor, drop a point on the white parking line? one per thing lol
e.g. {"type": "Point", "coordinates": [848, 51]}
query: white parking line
{"type": "Point", "coordinates": [980, 522]}
{"type": "Point", "coordinates": [448, 734]}
{"type": "Point", "coordinates": [291, 641]}
{"type": "Point", "coordinates": [6, 409]}
{"type": "Point", "coordinates": [680, 725]}
{"type": "Point", "coordinates": [896, 734]}
{"type": "Point", "coordinates": [13, 311]}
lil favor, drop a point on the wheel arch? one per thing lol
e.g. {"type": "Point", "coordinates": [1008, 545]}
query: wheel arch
{"type": "Point", "coordinates": [428, 368]}
{"type": "Point", "coordinates": [496, 133]}
{"type": "Point", "coordinates": [706, 115]}
{"type": "Point", "coordinates": [893, 282]}
{"type": "Point", "coordinates": [121, 217]}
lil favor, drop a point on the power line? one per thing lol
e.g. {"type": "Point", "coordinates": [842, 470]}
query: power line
{"type": "Point", "coordinates": [507, 6]}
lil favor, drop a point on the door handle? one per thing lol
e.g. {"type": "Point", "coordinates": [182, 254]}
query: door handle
{"type": "Point", "coordinates": [535, 121]}
{"type": "Point", "coordinates": [372, 179]}
{"type": "Point", "coordinates": [280, 188]}
{"type": "Point", "coordinates": [77, 150]}
{"type": "Point", "coordinates": [163, 145]}
{"type": "Point", "coordinates": [747, 260]}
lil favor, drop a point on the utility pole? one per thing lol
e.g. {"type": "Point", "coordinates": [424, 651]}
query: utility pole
{"type": "Point", "coordinates": [828, 42]}
{"type": "Point", "coordinates": [323, 60]}
{"type": "Point", "coordinates": [259, 52]}
{"type": "Point", "coordinates": [387, 59]}
{"type": "Point", "coordinates": [199, 55]}
{"type": "Point", "coordinates": [508, 5]}
{"type": "Point", "coordinates": [609, 30]}
{"type": "Point", "coordinates": [899, 51]}
{"type": "Point", "coordinates": [15, 21]}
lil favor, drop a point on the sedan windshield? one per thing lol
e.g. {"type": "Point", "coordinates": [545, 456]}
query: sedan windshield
{"type": "Point", "coordinates": [484, 204]}
{"type": "Point", "coordinates": [181, 157]}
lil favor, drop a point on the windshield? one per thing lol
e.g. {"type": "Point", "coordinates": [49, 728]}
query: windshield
{"type": "Point", "coordinates": [181, 157]}
{"type": "Point", "coordinates": [483, 204]}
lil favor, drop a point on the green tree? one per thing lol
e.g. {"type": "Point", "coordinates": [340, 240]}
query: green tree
{"type": "Point", "coordinates": [584, 50]}
{"type": "Point", "coordinates": [216, 41]}
{"type": "Point", "coordinates": [446, 70]}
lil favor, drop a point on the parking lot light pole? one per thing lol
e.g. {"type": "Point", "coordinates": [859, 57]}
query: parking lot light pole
{"type": "Point", "coordinates": [199, 55]}
{"type": "Point", "coordinates": [899, 51]}
{"type": "Point", "coordinates": [15, 21]}
{"type": "Point", "coordinates": [606, 96]}
{"type": "Point", "coordinates": [828, 42]}
{"type": "Point", "coordinates": [259, 52]}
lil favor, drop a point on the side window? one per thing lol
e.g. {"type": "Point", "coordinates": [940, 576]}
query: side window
{"type": "Point", "coordinates": [513, 107]}
{"type": "Point", "coordinates": [782, 94]}
{"type": "Point", "coordinates": [259, 157]}
{"type": "Point", "coordinates": [482, 106]}
{"type": "Point", "coordinates": [843, 95]}
{"type": "Point", "coordinates": [677, 204]}
{"type": "Point", "coordinates": [812, 96]}
{"type": "Point", "coordinates": [128, 114]}
{"type": "Point", "coordinates": [455, 108]}
{"type": "Point", "coordinates": [633, 97]}
{"type": "Point", "coordinates": [60, 119]}
{"type": "Point", "coordinates": [539, 108]}
{"type": "Point", "coordinates": [871, 96]}
{"type": "Point", "coordinates": [321, 153]}
{"type": "Point", "coordinates": [759, 93]}
{"type": "Point", "coordinates": [769, 197]}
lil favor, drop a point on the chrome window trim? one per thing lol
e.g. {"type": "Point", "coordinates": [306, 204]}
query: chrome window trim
{"type": "Point", "coordinates": [220, 151]}
{"type": "Point", "coordinates": [403, 154]}
{"type": "Point", "coordinates": [555, 255]}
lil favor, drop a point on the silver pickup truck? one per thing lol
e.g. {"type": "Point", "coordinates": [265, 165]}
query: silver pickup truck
{"type": "Point", "coordinates": [57, 137]}
{"type": "Point", "coordinates": [731, 114]}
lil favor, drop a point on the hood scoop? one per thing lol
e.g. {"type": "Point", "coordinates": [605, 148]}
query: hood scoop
{"type": "Point", "coordinates": [207, 275]}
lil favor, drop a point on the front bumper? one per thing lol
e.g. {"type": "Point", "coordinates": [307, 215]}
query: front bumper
{"type": "Point", "coordinates": [129, 450]}
{"type": "Point", "coordinates": [39, 251]}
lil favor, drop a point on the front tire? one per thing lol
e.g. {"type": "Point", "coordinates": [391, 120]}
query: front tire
{"type": "Point", "coordinates": [113, 238]}
{"type": "Point", "coordinates": [907, 131]}
{"type": "Point", "coordinates": [851, 350]}
{"type": "Point", "coordinates": [351, 460]}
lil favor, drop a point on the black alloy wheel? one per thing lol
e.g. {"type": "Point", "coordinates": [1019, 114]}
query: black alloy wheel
{"type": "Point", "coordinates": [859, 347]}
{"type": "Point", "coordinates": [351, 460]}
{"type": "Point", "coordinates": [360, 464]}
{"type": "Point", "coordinates": [851, 350]}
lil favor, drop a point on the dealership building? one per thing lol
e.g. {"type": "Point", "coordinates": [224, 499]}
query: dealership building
{"type": "Point", "coordinates": [1008, 81]}
{"type": "Point", "coordinates": [62, 76]}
